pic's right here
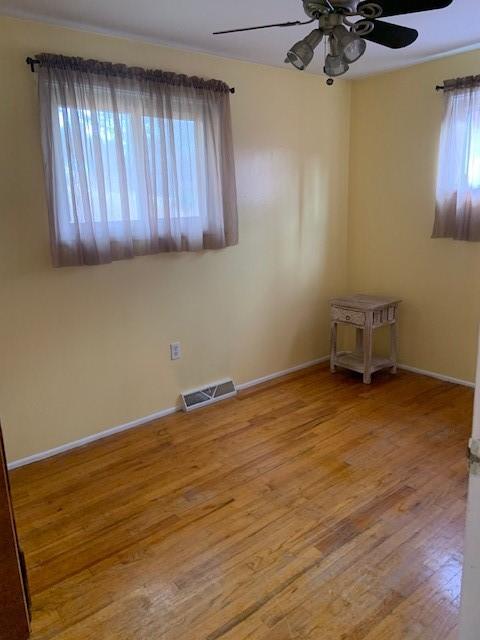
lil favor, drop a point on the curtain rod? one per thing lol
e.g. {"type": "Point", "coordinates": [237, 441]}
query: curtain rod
{"type": "Point", "coordinates": [33, 61]}
{"type": "Point", "coordinates": [439, 87]}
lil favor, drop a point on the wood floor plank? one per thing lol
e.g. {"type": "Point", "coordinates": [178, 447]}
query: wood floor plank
{"type": "Point", "coordinates": [311, 507]}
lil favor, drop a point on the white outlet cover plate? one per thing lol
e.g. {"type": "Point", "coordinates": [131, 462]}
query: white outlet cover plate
{"type": "Point", "coordinates": [175, 351]}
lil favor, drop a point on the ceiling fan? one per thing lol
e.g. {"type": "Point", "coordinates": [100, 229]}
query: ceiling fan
{"type": "Point", "coordinates": [346, 38]}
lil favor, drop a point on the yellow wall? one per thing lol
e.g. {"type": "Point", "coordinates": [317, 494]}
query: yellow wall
{"type": "Point", "coordinates": [395, 128]}
{"type": "Point", "coordinates": [85, 349]}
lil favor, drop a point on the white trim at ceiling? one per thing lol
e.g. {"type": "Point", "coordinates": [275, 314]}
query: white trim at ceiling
{"type": "Point", "coordinates": [118, 33]}
{"type": "Point", "coordinates": [434, 56]}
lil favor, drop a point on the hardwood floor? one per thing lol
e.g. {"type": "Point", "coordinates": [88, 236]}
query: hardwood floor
{"type": "Point", "coordinates": [312, 507]}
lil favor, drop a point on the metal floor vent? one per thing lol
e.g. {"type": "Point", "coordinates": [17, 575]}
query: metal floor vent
{"type": "Point", "coordinates": [208, 395]}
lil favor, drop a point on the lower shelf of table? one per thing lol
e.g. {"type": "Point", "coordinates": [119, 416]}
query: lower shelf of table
{"type": "Point", "coordinates": [354, 361]}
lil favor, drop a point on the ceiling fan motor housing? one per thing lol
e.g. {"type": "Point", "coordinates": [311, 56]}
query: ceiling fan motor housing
{"type": "Point", "coordinates": [316, 8]}
{"type": "Point", "coordinates": [329, 21]}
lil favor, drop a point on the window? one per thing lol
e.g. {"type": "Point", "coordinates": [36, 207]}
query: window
{"type": "Point", "coordinates": [134, 165]}
{"type": "Point", "coordinates": [180, 137]}
{"type": "Point", "coordinates": [458, 182]}
{"type": "Point", "coordinates": [474, 160]}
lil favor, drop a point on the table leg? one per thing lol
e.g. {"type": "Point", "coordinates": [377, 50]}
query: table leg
{"type": "Point", "coordinates": [367, 354]}
{"type": "Point", "coordinates": [333, 346]}
{"type": "Point", "coordinates": [393, 346]}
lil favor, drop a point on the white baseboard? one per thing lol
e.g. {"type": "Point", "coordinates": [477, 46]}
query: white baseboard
{"type": "Point", "coordinates": [140, 421]}
{"type": "Point", "coordinates": [438, 376]}
{"type": "Point", "coordinates": [96, 436]}
{"type": "Point", "coordinates": [166, 412]}
{"type": "Point", "coordinates": [279, 374]}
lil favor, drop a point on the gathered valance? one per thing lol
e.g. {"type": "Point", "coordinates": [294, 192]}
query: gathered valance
{"type": "Point", "coordinates": [457, 84]}
{"type": "Point", "coordinates": [112, 69]}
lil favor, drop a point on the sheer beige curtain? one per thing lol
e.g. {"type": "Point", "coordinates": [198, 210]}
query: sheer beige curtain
{"type": "Point", "coordinates": [458, 183]}
{"type": "Point", "coordinates": [136, 161]}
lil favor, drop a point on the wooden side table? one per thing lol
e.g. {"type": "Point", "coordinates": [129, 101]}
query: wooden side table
{"type": "Point", "coordinates": [365, 313]}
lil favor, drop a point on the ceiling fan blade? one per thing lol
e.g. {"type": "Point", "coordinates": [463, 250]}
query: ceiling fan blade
{"type": "Point", "coordinates": [400, 7]}
{"type": "Point", "coordinates": [391, 35]}
{"type": "Point", "coordinates": [264, 26]}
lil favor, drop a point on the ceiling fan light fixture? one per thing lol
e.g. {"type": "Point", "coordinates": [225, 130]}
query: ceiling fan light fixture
{"type": "Point", "coordinates": [335, 66]}
{"type": "Point", "coordinates": [300, 56]}
{"type": "Point", "coordinates": [301, 53]}
{"type": "Point", "coordinates": [352, 47]}
{"type": "Point", "coordinates": [347, 45]}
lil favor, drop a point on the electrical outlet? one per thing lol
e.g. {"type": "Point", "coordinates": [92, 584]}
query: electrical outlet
{"type": "Point", "coordinates": [175, 351]}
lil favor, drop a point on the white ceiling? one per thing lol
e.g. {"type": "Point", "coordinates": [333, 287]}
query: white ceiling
{"type": "Point", "coordinates": [189, 23]}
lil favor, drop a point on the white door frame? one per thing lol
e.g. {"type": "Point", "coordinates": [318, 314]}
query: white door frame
{"type": "Point", "coordinates": [470, 608]}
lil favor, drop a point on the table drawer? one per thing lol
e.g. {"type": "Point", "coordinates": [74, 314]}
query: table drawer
{"type": "Point", "coordinates": [348, 315]}
{"type": "Point", "coordinates": [384, 316]}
